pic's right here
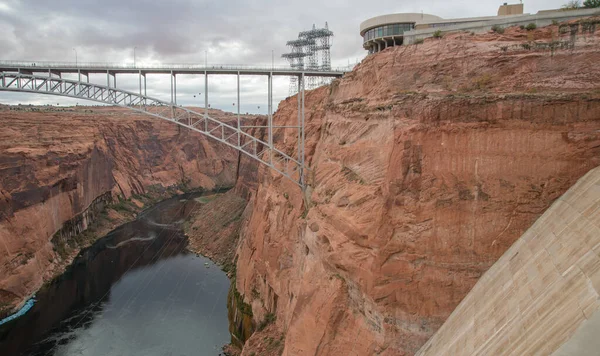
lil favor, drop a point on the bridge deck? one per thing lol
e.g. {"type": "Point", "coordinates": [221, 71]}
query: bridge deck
{"type": "Point", "coordinates": [117, 68]}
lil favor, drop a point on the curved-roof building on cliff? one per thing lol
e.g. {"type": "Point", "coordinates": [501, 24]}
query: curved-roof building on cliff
{"type": "Point", "coordinates": [387, 30]}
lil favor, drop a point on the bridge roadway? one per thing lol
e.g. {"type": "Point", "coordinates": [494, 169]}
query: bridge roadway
{"type": "Point", "coordinates": [144, 68]}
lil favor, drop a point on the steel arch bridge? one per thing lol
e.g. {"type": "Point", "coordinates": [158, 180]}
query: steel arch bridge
{"type": "Point", "coordinates": [47, 79]}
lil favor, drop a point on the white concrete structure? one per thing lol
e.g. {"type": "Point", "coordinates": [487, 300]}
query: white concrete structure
{"type": "Point", "coordinates": [485, 24]}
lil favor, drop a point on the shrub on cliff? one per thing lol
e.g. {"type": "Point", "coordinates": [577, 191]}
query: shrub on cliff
{"type": "Point", "coordinates": [269, 319]}
{"type": "Point", "coordinates": [437, 34]}
{"type": "Point", "coordinates": [498, 29]}
{"type": "Point", "coordinates": [531, 27]}
{"type": "Point", "coordinates": [121, 206]}
{"type": "Point", "coordinates": [591, 3]}
{"type": "Point", "coordinates": [572, 5]}
{"type": "Point", "coordinates": [483, 81]}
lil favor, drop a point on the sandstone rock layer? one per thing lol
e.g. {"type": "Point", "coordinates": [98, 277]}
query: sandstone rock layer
{"type": "Point", "coordinates": [427, 163]}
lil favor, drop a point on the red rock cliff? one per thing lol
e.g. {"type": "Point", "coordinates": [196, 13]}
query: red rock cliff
{"type": "Point", "coordinates": [427, 163]}
{"type": "Point", "coordinates": [55, 163]}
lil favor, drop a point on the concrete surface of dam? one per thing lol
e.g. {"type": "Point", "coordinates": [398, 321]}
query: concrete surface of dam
{"type": "Point", "coordinates": [541, 296]}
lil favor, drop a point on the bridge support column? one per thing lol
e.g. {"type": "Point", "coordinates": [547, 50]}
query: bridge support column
{"type": "Point", "coordinates": [172, 110]}
{"type": "Point", "coordinates": [302, 142]}
{"type": "Point", "coordinates": [108, 79]}
{"type": "Point", "coordinates": [205, 101]}
{"type": "Point", "coordinates": [78, 86]}
{"type": "Point", "coordinates": [140, 85]}
{"type": "Point", "coordinates": [270, 117]}
{"type": "Point", "coordinates": [239, 126]}
{"type": "Point", "coordinates": [300, 77]}
{"type": "Point", "coordinates": [145, 85]}
{"type": "Point", "coordinates": [175, 88]}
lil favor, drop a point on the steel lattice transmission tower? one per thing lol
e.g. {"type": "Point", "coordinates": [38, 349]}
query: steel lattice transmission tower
{"type": "Point", "coordinates": [296, 59]}
{"type": "Point", "coordinates": [312, 51]}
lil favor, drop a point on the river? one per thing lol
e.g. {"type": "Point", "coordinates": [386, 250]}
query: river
{"type": "Point", "coordinates": [136, 291]}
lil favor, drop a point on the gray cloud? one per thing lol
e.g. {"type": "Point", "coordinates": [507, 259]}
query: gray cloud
{"type": "Point", "coordinates": [180, 31]}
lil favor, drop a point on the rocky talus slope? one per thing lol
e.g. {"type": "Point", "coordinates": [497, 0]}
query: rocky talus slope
{"type": "Point", "coordinates": [59, 167]}
{"type": "Point", "coordinates": [214, 228]}
{"type": "Point", "coordinates": [427, 163]}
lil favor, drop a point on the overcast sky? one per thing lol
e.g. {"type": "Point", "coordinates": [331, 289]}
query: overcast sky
{"type": "Point", "coordinates": [180, 31]}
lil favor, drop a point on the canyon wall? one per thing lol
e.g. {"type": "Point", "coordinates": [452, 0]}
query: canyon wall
{"type": "Point", "coordinates": [427, 162]}
{"type": "Point", "coordinates": [58, 165]}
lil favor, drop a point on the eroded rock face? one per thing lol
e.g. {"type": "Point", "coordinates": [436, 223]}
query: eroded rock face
{"type": "Point", "coordinates": [427, 163]}
{"type": "Point", "coordinates": [55, 163]}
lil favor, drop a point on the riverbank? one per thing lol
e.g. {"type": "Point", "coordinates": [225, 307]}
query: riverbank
{"type": "Point", "coordinates": [213, 231]}
{"type": "Point", "coordinates": [116, 213]}
{"type": "Point", "coordinates": [26, 307]}
{"type": "Point", "coordinates": [150, 277]}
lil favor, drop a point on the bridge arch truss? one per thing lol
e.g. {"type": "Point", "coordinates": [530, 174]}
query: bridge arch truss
{"type": "Point", "coordinates": [229, 132]}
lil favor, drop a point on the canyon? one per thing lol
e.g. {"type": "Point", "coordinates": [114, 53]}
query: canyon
{"type": "Point", "coordinates": [60, 167]}
{"type": "Point", "coordinates": [426, 163]}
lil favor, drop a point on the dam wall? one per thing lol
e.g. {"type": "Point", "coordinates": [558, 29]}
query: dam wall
{"type": "Point", "coordinates": [541, 292]}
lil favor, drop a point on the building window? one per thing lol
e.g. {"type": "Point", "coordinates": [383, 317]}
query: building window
{"type": "Point", "coordinates": [388, 30]}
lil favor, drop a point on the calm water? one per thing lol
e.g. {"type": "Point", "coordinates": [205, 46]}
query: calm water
{"type": "Point", "coordinates": [135, 292]}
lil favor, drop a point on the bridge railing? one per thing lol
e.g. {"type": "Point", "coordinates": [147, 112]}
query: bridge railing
{"type": "Point", "coordinates": [166, 66]}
